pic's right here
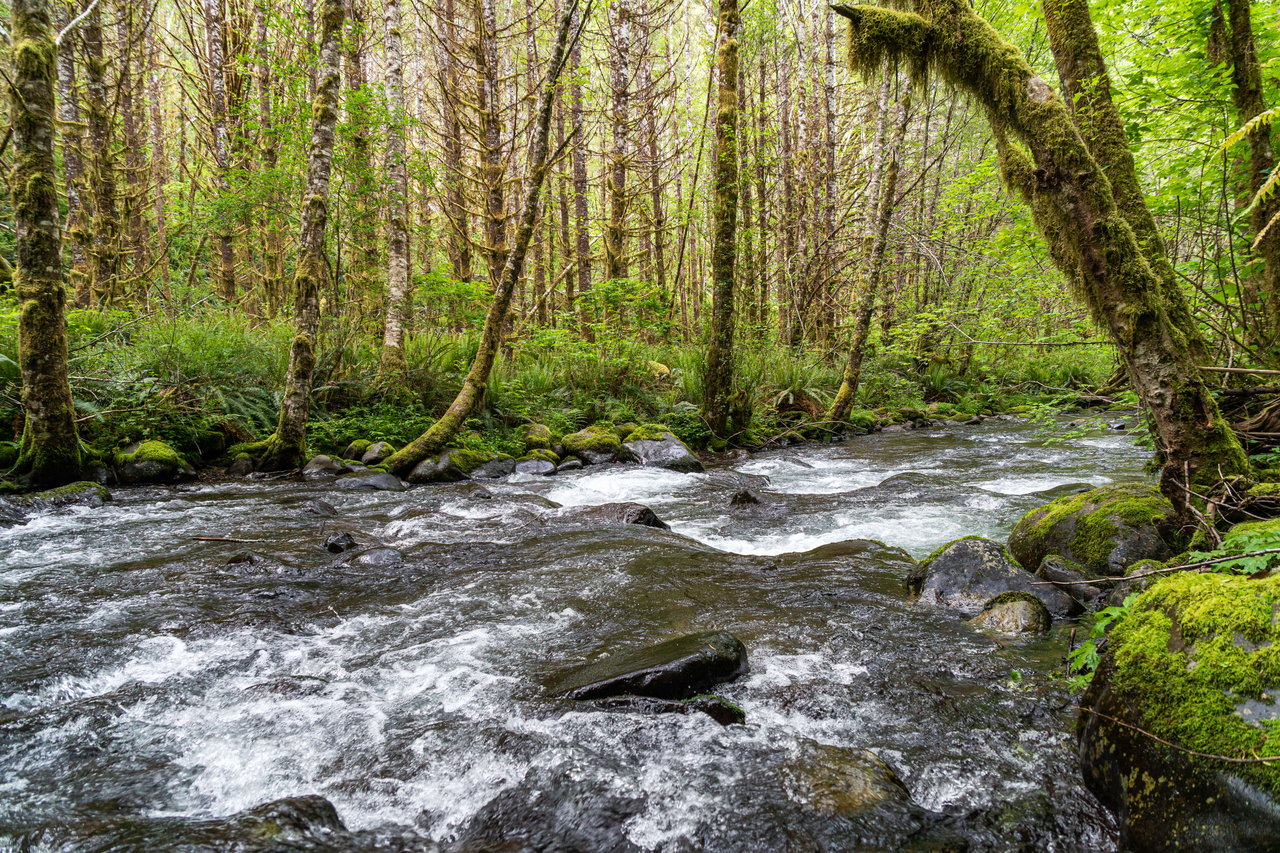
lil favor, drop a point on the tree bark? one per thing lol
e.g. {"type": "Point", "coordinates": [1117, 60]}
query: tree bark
{"type": "Point", "coordinates": [492, 159]}
{"type": "Point", "coordinates": [214, 23]}
{"type": "Point", "coordinates": [1073, 205]}
{"type": "Point", "coordinates": [615, 241]}
{"type": "Point", "coordinates": [581, 214]}
{"type": "Point", "coordinates": [73, 161]}
{"type": "Point", "coordinates": [471, 395]}
{"type": "Point", "coordinates": [104, 255]}
{"type": "Point", "coordinates": [719, 387]}
{"type": "Point", "coordinates": [287, 447]}
{"type": "Point", "coordinates": [454, 206]}
{"type": "Point", "coordinates": [398, 295]}
{"type": "Point", "coordinates": [49, 453]}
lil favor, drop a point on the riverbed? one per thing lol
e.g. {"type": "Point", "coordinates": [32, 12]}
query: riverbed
{"type": "Point", "coordinates": [154, 687]}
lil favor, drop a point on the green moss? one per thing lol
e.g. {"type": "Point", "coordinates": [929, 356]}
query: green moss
{"type": "Point", "coordinates": [152, 451]}
{"type": "Point", "coordinates": [537, 437]}
{"type": "Point", "coordinates": [541, 455]}
{"type": "Point", "coordinates": [1252, 532]}
{"type": "Point", "coordinates": [468, 461]}
{"type": "Point", "coordinates": [357, 448]}
{"type": "Point", "coordinates": [1264, 490]}
{"type": "Point", "coordinates": [252, 449]}
{"type": "Point", "coordinates": [650, 432]}
{"type": "Point", "coordinates": [862, 419]}
{"type": "Point", "coordinates": [597, 438]}
{"type": "Point", "coordinates": [1010, 597]}
{"type": "Point", "coordinates": [1096, 514]}
{"type": "Point", "coordinates": [8, 455]}
{"type": "Point", "coordinates": [1194, 648]}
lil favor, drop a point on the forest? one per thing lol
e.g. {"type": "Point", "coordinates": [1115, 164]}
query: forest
{"type": "Point", "coordinates": [733, 325]}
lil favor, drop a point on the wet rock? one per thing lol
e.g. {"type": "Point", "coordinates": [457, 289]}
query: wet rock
{"type": "Point", "coordinates": [495, 469]}
{"type": "Point", "coordinates": [674, 669]}
{"type": "Point", "coordinates": [842, 781]}
{"type": "Point", "coordinates": [1138, 579]}
{"type": "Point", "coordinates": [377, 453]}
{"type": "Point", "coordinates": [372, 481]}
{"type": "Point", "coordinates": [540, 467]}
{"type": "Point", "coordinates": [320, 507]}
{"type": "Point", "coordinates": [474, 492]}
{"type": "Point", "coordinates": [595, 445]}
{"type": "Point", "coordinates": [1014, 612]}
{"type": "Point", "coordinates": [453, 466]}
{"type": "Point", "coordinates": [745, 497]}
{"type": "Point", "coordinates": [716, 707]}
{"type": "Point", "coordinates": [246, 558]}
{"type": "Point", "coordinates": [340, 542]}
{"type": "Point", "coordinates": [322, 466]}
{"type": "Point", "coordinates": [83, 493]}
{"type": "Point", "coordinates": [619, 513]}
{"type": "Point", "coordinates": [655, 446]}
{"type": "Point", "coordinates": [241, 466]}
{"type": "Point", "coordinates": [1194, 664]}
{"type": "Point", "coordinates": [293, 820]}
{"type": "Point", "coordinates": [376, 557]}
{"type": "Point", "coordinates": [569, 465]}
{"type": "Point", "coordinates": [967, 573]}
{"type": "Point", "coordinates": [357, 448]}
{"type": "Point", "coordinates": [537, 437]}
{"type": "Point", "coordinates": [151, 462]}
{"type": "Point", "coordinates": [1071, 579]}
{"type": "Point", "coordinates": [1105, 530]}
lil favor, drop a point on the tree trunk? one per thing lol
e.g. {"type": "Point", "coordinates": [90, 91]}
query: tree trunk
{"type": "Point", "coordinates": [104, 264]}
{"type": "Point", "coordinates": [217, 71]}
{"type": "Point", "coordinates": [454, 206]}
{"type": "Point", "coordinates": [882, 199]}
{"type": "Point", "coordinates": [159, 166]}
{"type": "Point", "coordinates": [398, 296]}
{"type": "Point", "coordinates": [49, 453]}
{"type": "Point", "coordinates": [473, 388]}
{"type": "Point", "coordinates": [492, 161]}
{"type": "Point", "coordinates": [582, 236]}
{"type": "Point", "coordinates": [1072, 203]}
{"type": "Point", "coordinates": [73, 162]}
{"type": "Point", "coordinates": [615, 241]}
{"type": "Point", "coordinates": [719, 393]}
{"type": "Point", "coordinates": [287, 448]}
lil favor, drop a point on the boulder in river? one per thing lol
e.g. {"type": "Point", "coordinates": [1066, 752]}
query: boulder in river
{"type": "Point", "coordinates": [319, 466]}
{"type": "Point", "coordinates": [339, 542]}
{"type": "Point", "coordinates": [675, 669]}
{"type": "Point", "coordinates": [1015, 612]}
{"type": "Point", "coordinates": [377, 453]}
{"type": "Point", "coordinates": [967, 573]}
{"type": "Point", "coordinates": [1072, 579]}
{"type": "Point", "coordinates": [842, 781]}
{"type": "Point", "coordinates": [537, 437]}
{"type": "Point", "coordinates": [541, 467]}
{"type": "Point", "coordinates": [655, 446]}
{"type": "Point", "coordinates": [151, 462]}
{"type": "Point", "coordinates": [357, 448]}
{"type": "Point", "coordinates": [569, 465]}
{"type": "Point", "coordinates": [1193, 664]}
{"type": "Point", "coordinates": [371, 481]}
{"type": "Point", "coordinates": [594, 445]}
{"type": "Point", "coordinates": [619, 513]}
{"type": "Point", "coordinates": [453, 466]}
{"type": "Point", "coordinates": [1105, 530]}
{"type": "Point", "coordinates": [716, 707]}
{"type": "Point", "coordinates": [83, 493]}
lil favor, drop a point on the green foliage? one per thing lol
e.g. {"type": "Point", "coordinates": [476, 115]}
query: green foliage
{"type": "Point", "coordinates": [1083, 661]}
{"type": "Point", "coordinates": [1242, 543]}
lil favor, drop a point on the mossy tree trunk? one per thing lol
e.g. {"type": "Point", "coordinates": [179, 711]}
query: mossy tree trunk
{"type": "Point", "coordinates": [287, 447]}
{"type": "Point", "coordinates": [471, 395]}
{"type": "Point", "coordinates": [884, 189]}
{"type": "Point", "coordinates": [49, 454]}
{"type": "Point", "coordinates": [719, 378]}
{"type": "Point", "coordinates": [1074, 207]}
{"type": "Point", "coordinates": [392, 363]}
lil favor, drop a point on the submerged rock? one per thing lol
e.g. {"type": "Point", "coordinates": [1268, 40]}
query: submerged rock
{"type": "Point", "coordinates": [320, 507]}
{"type": "Point", "coordinates": [674, 669]}
{"type": "Point", "coordinates": [339, 542]}
{"type": "Point", "coordinates": [374, 557]}
{"type": "Point", "coordinates": [374, 481]}
{"type": "Point", "coordinates": [655, 446]}
{"type": "Point", "coordinates": [619, 513]}
{"type": "Point", "coordinates": [148, 462]}
{"type": "Point", "coordinates": [1014, 612]}
{"type": "Point", "coordinates": [83, 493]}
{"type": "Point", "coordinates": [842, 781]}
{"type": "Point", "coordinates": [967, 573]}
{"type": "Point", "coordinates": [1195, 664]}
{"type": "Point", "coordinates": [716, 707]}
{"type": "Point", "coordinates": [1105, 530]}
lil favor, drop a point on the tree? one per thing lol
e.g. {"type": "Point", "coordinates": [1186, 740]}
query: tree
{"type": "Point", "coordinates": [477, 379]}
{"type": "Point", "coordinates": [287, 447]}
{"type": "Point", "coordinates": [49, 453]}
{"type": "Point", "coordinates": [398, 296]}
{"type": "Point", "coordinates": [720, 374]}
{"type": "Point", "coordinates": [1075, 209]}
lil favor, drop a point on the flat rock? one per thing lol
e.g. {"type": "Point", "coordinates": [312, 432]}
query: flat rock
{"type": "Point", "coordinates": [674, 669]}
{"type": "Point", "coordinates": [374, 481]}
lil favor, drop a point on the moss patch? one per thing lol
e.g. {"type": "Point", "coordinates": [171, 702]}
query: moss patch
{"type": "Point", "coordinates": [650, 432]}
{"type": "Point", "coordinates": [537, 437]}
{"type": "Point", "coordinates": [598, 438]}
{"type": "Point", "coordinates": [540, 455]}
{"type": "Point", "coordinates": [152, 451]}
{"type": "Point", "coordinates": [1199, 655]}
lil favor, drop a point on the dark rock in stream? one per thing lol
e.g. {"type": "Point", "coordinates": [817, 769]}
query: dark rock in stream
{"type": "Point", "coordinates": [569, 465]}
{"type": "Point", "coordinates": [376, 481]}
{"type": "Point", "coordinates": [322, 466]}
{"type": "Point", "coordinates": [620, 513]}
{"type": "Point", "coordinates": [319, 507]}
{"type": "Point", "coordinates": [1070, 577]}
{"type": "Point", "coordinates": [967, 573]}
{"type": "Point", "coordinates": [339, 542]}
{"type": "Point", "coordinates": [1014, 612]}
{"type": "Point", "coordinates": [674, 669]}
{"type": "Point", "coordinates": [654, 447]}
{"type": "Point", "coordinates": [540, 467]}
{"type": "Point", "coordinates": [375, 557]}
{"type": "Point", "coordinates": [717, 708]}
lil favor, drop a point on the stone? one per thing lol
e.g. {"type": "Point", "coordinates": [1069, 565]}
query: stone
{"type": "Point", "coordinates": [537, 437]}
{"type": "Point", "coordinates": [745, 497]}
{"type": "Point", "coordinates": [569, 465]}
{"type": "Point", "coordinates": [1014, 612]}
{"type": "Point", "coordinates": [376, 454]}
{"type": "Point", "coordinates": [1105, 530]}
{"type": "Point", "coordinates": [371, 481]}
{"type": "Point", "coordinates": [151, 462]}
{"type": "Point", "coordinates": [679, 668]}
{"type": "Point", "coordinates": [619, 513]}
{"type": "Point", "coordinates": [655, 446]}
{"type": "Point", "coordinates": [1193, 663]}
{"type": "Point", "coordinates": [494, 469]}
{"type": "Point", "coordinates": [717, 708]}
{"type": "Point", "coordinates": [535, 466]}
{"type": "Point", "coordinates": [339, 542]}
{"type": "Point", "coordinates": [241, 466]}
{"type": "Point", "coordinates": [320, 507]}
{"type": "Point", "coordinates": [356, 449]}
{"type": "Point", "coordinates": [376, 557]}
{"type": "Point", "coordinates": [322, 466]}
{"type": "Point", "coordinates": [82, 493]}
{"type": "Point", "coordinates": [1071, 579]}
{"type": "Point", "coordinates": [967, 573]}
{"type": "Point", "coordinates": [454, 466]}
{"type": "Point", "coordinates": [842, 781]}
{"type": "Point", "coordinates": [595, 445]}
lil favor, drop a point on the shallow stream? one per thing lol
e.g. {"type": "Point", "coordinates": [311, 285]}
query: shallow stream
{"type": "Point", "coordinates": [153, 686]}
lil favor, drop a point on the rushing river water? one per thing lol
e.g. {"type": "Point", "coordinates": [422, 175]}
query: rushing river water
{"type": "Point", "coordinates": [153, 687]}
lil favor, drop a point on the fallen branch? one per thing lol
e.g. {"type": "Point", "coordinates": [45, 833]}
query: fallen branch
{"type": "Point", "coordinates": [222, 539]}
{"type": "Point", "coordinates": [1241, 370]}
{"type": "Point", "coordinates": [1197, 566]}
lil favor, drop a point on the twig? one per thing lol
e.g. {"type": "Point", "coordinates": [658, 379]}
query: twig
{"type": "Point", "coordinates": [222, 539]}
{"type": "Point", "coordinates": [1169, 569]}
{"type": "Point", "coordinates": [1241, 370]}
{"type": "Point", "coordinates": [1211, 755]}
{"type": "Point", "coordinates": [57, 42]}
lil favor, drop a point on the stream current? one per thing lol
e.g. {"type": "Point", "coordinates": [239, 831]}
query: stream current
{"type": "Point", "coordinates": [153, 687]}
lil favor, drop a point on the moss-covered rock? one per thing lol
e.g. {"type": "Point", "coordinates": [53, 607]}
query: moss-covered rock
{"type": "Point", "coordinates": [1105, 530]}
{"type": "Point", "coordinates": [454, 466]}
{"type": "Point", "coordinates": [151, 462]}
{"type": "Point", "coordinates": [537, 437]}
{"type": "Point", "coordinates": [862, 420]}
{"type": "Point", "coordinates": [653, 445]}
{"type": "Point", "coordinates": [624, 430]}
{"type": "Point", "coordinates": [967, 573]}
{"type": "Point", "coordinates": [8, 455]}
{"type": "Point", "coordinates": [82, 493]}
{"type": "Point", "coordinates": [596, 444]}
{"type": "Point", "coordinates": [356, 449]}
{"type": "Point", "coordinates": [1196, 663]}
{"type": "Point", "coordinates": [376, 453]}
{"type": "Point", "coordinates": [1014, 612]}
